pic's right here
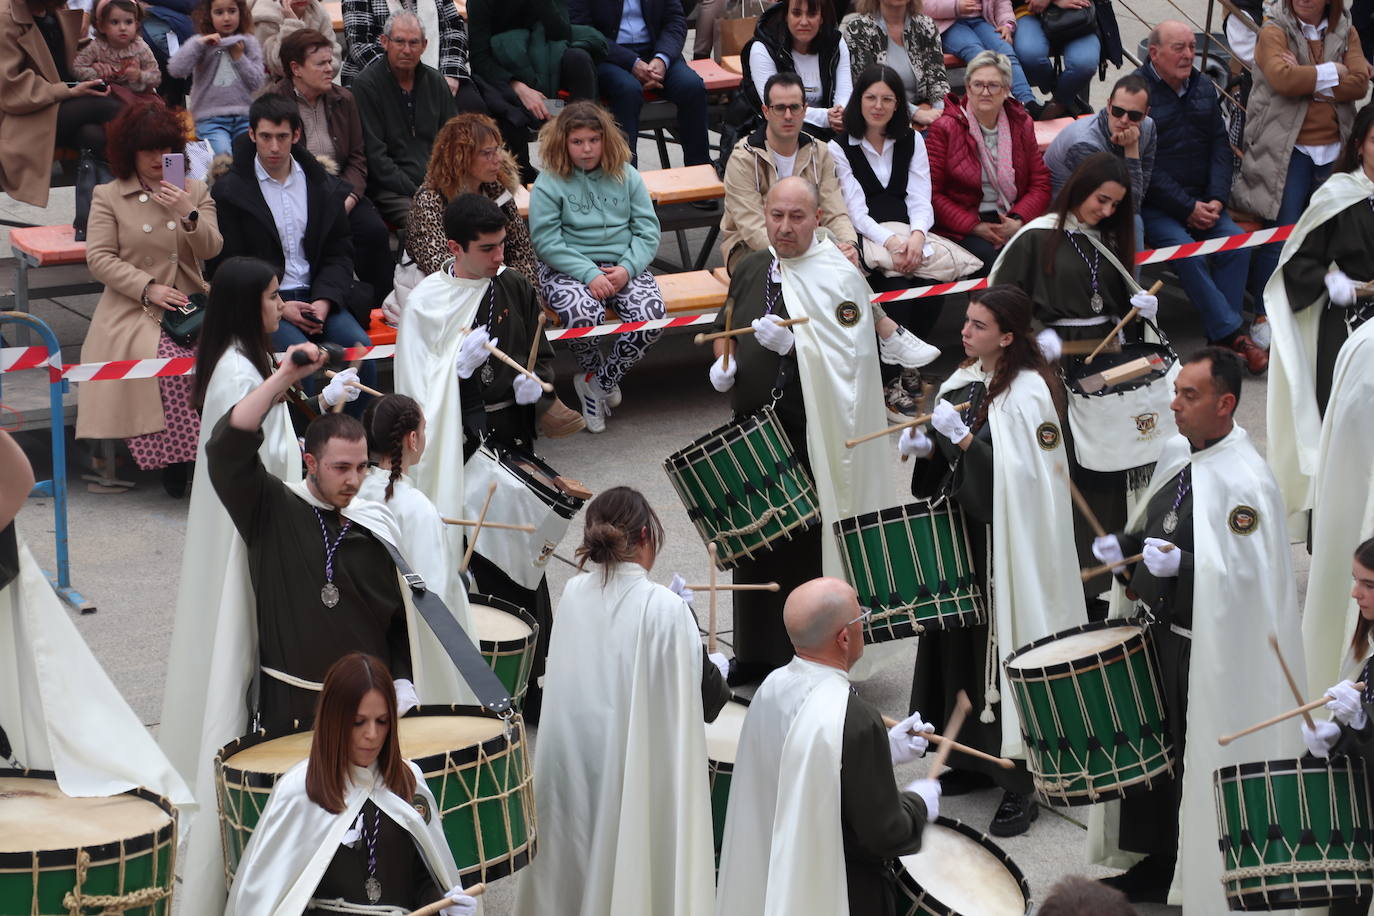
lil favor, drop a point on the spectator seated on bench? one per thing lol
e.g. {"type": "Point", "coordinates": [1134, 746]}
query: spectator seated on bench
{"type": "Point", "coordinates": [800, 37]}
{"type": "Point", "coordinates": [275, 21]}
{"type": "Point", "coordinates": [870, 34]}
{"type": "Point", "coordinates": [225, 65]}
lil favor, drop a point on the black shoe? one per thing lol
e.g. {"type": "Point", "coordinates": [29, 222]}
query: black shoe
{"type": "Point", "coordinates": [742, 673]}
{"type": "Point", "coordinates": [174, 478]}
{"type": "Point", "coordinates": [1147, 881]}
{"type": "Point", "coordinates": [962, 782]}
{"type": "Point", "coordinates": [1015, 815]}
{"type": "Point", "coordinates": [710, 206]}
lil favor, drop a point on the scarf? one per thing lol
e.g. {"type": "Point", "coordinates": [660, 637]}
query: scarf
{"type": "Point", "coordinates": [1000, 169]}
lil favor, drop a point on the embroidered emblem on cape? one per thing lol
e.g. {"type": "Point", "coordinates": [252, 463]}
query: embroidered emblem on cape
{"type": "Point", "coordinates": [1047, 434]}
{"type": "Point", "coordinates": [421, 806]}
{"type": "Point", "coordinates": [1243, 520]}
{"type": "Point", "coordinates": [1145, 423]}
{"type": "Point", "coordinates": [847, 313]}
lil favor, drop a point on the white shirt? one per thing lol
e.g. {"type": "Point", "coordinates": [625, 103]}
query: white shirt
{"type": "Point", "coordinates": [784, 164]}
{"type": "Point", "coordinates": [808, 67]}
{"type": "Point", "coordinates": [287, 202]}
{"type": "Point", "coordinates": [1327, 78]}
{"type": "Point", "coordinates": [920, 215]}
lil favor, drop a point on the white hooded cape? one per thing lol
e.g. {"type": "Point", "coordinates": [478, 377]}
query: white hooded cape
{"type": "Point", "coordinates": [1035, 588]}
{"type": "Point", "coordinates": [1243, 590]}
{"type": "Point", "coordinates": [784, 852]}
{"type": "Point", "coordinates": [59, 707]}
{"type": "Point", "coordinates": [1292, 419]}
{"type": "Point", "coordinates": [1342, 514]}
{"type": "Point", "coordinates": [296, 840]}
{"type": "Point", "coordinates": [620, 777]}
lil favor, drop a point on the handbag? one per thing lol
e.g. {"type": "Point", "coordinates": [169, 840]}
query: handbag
{"type": "Point", "coordinates": [1062, 26]}
{"type": "Point", "coordinates": [90, 172]}
{"type": "Point", "coordinates": [183, 324]}
{"type": "Point", "coordinates": [944, 261]}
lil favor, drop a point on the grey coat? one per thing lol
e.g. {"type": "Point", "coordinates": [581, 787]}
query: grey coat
{"type": "Point", "coordinates": [1086, 136]}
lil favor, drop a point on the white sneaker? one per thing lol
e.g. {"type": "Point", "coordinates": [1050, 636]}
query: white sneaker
{"type": "Point", "coordinates": [593, 402]}
{"type": "Point", "coordinates": [613, 399]}
{"type": "Point", "coordinates": [907, 350]}
{"type": "Point", "coordinates": [1259, 332]}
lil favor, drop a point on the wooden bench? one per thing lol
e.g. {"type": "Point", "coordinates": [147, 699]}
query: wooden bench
{"type": "Point", "coordinates": [1046, 131]}
{"type": "Point", "coordinates": [335, 10]}
{"type": "Point", "coordinates": [45, 246]}
{"type": "Point", "coordinates": [716, 77]}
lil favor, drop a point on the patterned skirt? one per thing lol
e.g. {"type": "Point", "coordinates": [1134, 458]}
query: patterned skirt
{"type": "Point", "coordinates": [181, 433]}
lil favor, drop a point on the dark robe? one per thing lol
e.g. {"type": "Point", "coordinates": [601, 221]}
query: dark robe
{"type": "Point", "coordinates": [401, 869]}
{"type": "Point", "coordinates": [1358, 743]}
{"type": "Point", "coordinates": [9, 555]}
{"type": "Point", "coordinates": [297, 634]}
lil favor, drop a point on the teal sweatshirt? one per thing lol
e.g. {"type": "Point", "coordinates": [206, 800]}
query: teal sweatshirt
{"type": "Point", "coordinates": [590, 218]}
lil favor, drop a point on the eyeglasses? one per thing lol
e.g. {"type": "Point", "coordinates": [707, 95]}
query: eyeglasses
{"type": "Point", "coordinates": [880, 100]}
{"type": "Point", "coordinates": [1135, 116]}
{"type": "Point", "coordinates": [491, 152]}
{"type": "Point", "coordinates": [867, 613]}
{"type": "Point", "coordinates": [986, 88]}
{"type": "Point", "coordinates": [405, 42]}
{"type": "Point", "coordinates": [792, 109]}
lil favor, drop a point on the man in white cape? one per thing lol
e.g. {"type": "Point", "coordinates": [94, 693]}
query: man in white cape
{"type": "Point", "coordinates": [1220, 601]}
{"type": "Point", "coordinates": [815, 818]}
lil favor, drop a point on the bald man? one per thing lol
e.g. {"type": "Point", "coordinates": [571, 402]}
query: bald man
{"type": "Point", "coordinates": [815, 769]}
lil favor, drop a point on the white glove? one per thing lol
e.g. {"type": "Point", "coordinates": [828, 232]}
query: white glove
{"type": "Point", "coordinates": [406, 698]}
{"type": "Point", "coordinates": [527, 390]}
{"type": "Point", "coordinates": [351, 836]}
{"type": "Point", "coordinates": [463, 905]}
{"type": "Point", "coordinates": [929, 790]}
{"type": "Point", "coordinates": [723, 379]}
{"type": "Point", "coordinates": [679, 587]}
{"type": "Point", "coordinates": [948, 423]}
{"type": "Point", "coordinates": [472, 352]}
{"type": "Point", "coordinates": [904, 745]}
{"type": "Point", "coordinates": [914, 443]}
{"type": "Point", "coordinates": [1107, 549]}
{"type": "Point", "coordinates": [721, 662]}
{"type": "Point", "coordinates": [1161, 564]}
{"type": "Point", "coordinates": [1322, 739]}
{"type": "Point", "coordinates": [772, 335]}
{"type": "Point", "coordinates": [1340, 288]}
{"type": "Point", "coordinates": [1346, 705]}
{"type": "Point", "coordinates": [1148, 305]}
{"type": "Point", "coordinates": [338, 388]}
{"type": "Point", "coordinates": [1050, 344]}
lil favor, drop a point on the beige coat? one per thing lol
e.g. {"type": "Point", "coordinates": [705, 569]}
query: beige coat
{"type": "Point", "coordinates": [131, 241]}
{"type": "Point", "coordinates": [31, 90]}
{"type": "Point", "coordinates": [271, 25]}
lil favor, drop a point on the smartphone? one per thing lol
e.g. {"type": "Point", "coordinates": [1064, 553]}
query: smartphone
{"type": "Point", "coordinates": [554, 106]}
{"type": "Point", "coordinates": [174, 169]}
{"type": "Point", "coordinates": [101, 86]}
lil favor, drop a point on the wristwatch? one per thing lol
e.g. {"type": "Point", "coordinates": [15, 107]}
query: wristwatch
{"type": "Point", "coordinates": [193, 216]}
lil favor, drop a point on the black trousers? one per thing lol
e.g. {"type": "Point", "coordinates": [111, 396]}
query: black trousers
{"type": "Point", "coordinates": [373, 261]}
{"type": "Point", "coordinates": [81, 122]}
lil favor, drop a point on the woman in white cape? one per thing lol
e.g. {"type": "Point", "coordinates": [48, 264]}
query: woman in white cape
{"type": "Point", "coordinates": [1002, 460]}
{"type": "Point", "coordinates": [354, 825]}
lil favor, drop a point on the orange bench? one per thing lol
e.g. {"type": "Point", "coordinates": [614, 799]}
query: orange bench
{"type": "Point", "coordinates": [1046, 131]}
{"type": "Point", "coordinates": [716, 77]}
{"type": "Point", "coordinates": [45, 246]}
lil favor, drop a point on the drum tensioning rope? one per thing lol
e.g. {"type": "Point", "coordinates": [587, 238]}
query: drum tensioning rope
{"type": "Point", "coordinates": [79, 904]}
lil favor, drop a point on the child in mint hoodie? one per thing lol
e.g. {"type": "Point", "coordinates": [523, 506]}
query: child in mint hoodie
{"type": "Point", "coordinates": [595, 232]}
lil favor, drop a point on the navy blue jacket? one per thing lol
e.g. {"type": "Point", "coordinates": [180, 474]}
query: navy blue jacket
{"type": "Point", "coordinates": [1193, 159]}
{"type": "Point", "coordinates": [667, 26]}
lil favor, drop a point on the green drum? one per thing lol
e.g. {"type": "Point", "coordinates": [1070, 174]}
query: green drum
{"type": "Point", "coordinates": [744, 487]}
{"type": "Point", "coordinates": [960, 872]}
{"type": "Point", "coordinates": [507, 637]}
{"type": "Point", "coordinates": [1294, 833]}
{"type": "Point", "coordinates": [1092, 713]}
{"type": "Point", "coordinates": [60, 854]}
{"type": "Point", "coordinates": [722, 742]}
{"type": "Point", "coordinates": [475, 764]}
{"type": "Point", "coordinates": [912, 565]}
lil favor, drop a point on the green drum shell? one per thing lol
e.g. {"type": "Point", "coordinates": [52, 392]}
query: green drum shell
{"type": "Point", "coordinates": [721, 775]}
{"type": "Point", "coordinates": [731, 477]}
{"type": "Point", "coordinates": [914, 900]}
{"type": "Point", "coordinates": [1103, 747]}
{"type": "Point", "coordinates": [37, 882]}
{"type": "Point", "coordinates": [476, 811]}
{"type": "Point", "coordinates": [1297, 861]}
{"type": "Point", "coordinates": [912, 565]}
{"type": "Point", "coordinates": [510, 659]}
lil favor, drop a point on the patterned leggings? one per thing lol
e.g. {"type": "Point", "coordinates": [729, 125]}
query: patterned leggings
{"type": "Point", "coordinates": [640, 300]}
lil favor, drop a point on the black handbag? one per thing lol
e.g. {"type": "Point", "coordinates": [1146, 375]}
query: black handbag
{"type": "Point", "coordinates": [1062, 26]}
{"type": "Point", "coordinates": [90, 172]}
{"type": "Point", "coordinates": [183, 324]}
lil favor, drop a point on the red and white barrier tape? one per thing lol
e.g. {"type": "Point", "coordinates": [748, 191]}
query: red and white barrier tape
{"type": "Point", "coordinates": [13, 359]}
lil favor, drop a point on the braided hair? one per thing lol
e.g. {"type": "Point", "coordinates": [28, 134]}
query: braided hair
{"type": "Point", "coordinates": [389, 419]}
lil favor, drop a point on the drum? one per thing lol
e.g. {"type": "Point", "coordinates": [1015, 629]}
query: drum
{"type": "Point", "coordinates": [744, 487]}
{"type": "Point", "coordinates": [1092, 713]}
{"type": "Point", "coordinates": [960, 872]}
{"type": "Point", "coordinates": [506, 637]}
{"type": "Point", "coordinates": [1123, 426]}
{"type": "Point", "coordinates": [479, 774]}
{"type": "Point", "coordinates": [528, 492]}
{"type": "Point", "coordinates": [722, 742]}
{"type": "Point", "coordinates": [60, 854]}
{"type": "Point", "coordinates": [912, 565]}
{"type": "Point", "coordinates": [1294, 833]}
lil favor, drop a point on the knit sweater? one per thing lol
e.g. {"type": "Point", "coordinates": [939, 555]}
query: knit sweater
{"type": "Point", "coordinates": [143, 75]}
{"type": "Point", "coordinates": [220, 85]}
{"type": "Point", "coordinates": [590, 218]}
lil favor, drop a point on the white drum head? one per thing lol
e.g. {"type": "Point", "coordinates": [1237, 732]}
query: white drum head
{"type": "Point", "coordinates": [39, 816]}
{"type": "Point", "coordinates": [962, 874]}
{"type": "Point", "coordinates": [1076, 646]}
{"type": "Point", "coordinates": [722, 735]}
{"type": "Point", "coordinates": [421, 736]}
{"type": "Point", "coordinates": [495, 625]}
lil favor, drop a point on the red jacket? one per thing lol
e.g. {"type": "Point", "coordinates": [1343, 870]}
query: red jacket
{"type": "Point", "coordinates": [956, 177]}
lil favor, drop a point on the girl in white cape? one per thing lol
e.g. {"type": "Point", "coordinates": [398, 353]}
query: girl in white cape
{"type": "Point", "coordinates": [353, 828]}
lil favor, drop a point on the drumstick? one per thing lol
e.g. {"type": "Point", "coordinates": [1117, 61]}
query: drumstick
{"type": "Point", "coordinates": [962, 706]}
{"type": "Point", "coordinates": [351, 383]}
{"type": "Point", "coordinates": [1302, 710]}
{"type": "Point", "coordinates": [729, 318]}
{"type": "Point", "coordinates": [534, 344]}
{"type": "Point", "coordinates": [500, 526]}
{"type": "Point", "coordinates": [1130, 316]}
{"type": "Point", "coordinates": [434, 908]}
{"type": "Point", "coordinates": [481, 520]}
{"type": "Point", "coordinates": [1003, 762]}
{"type": "Point", "coordinates": [917, 421]}
{"type": "Point", "coordinates": [1093, 572]}
{"type": "Point", "coordinates": [339, 405]}
{"type": "Point", "coordinates": [736, 587]}
{"type": "Point", "coordinates": [1292, 681]}
{"type": "Point", "coordinates": [1089, 516]}
{"type": "Point", "coordinates": [1084, 347]}
{"type": "Point", "coordinates": [711, 618]}
{"type": "Point", "coordinates": [500, 354]}
{"type": "Point", "coordinates": [747, 329]}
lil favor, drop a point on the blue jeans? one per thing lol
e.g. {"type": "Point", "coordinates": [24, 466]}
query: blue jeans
{"type": "Point", "coordinates": [1080, 60]}
{"type": "Point", "coordinates": [1304, 176]}
{"type": "Point", "coordinates": [1215, 283]}
{"type": "Point", "coordinates": [967, 37]}
{"type": "Point", "coordinates": [340, 327]}
{"type": "Point", "coordinates": [221, 131]}
{"type": "Point", "coordinates": [625, 97]}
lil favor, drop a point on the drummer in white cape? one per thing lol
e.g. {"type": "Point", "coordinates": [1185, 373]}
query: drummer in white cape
{"type": "Point", "coordinates": [1002, 460]}
{"type": "Point", "coordinates": [353, 828]}
{"type": "Point", "coordinates": [467, 394]}
{"type": "Point", "coordinates": [1215, 580]}
{"type": "Point", "coordinates": [815, 817]}
{"type": "Point", "coordinates": [620, 778]}
{"type": "Point", "coordinates": [826, 380]}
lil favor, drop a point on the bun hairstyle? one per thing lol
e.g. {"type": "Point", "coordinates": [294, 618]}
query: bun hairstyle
{"type": "Point", "coordinates": [388, 420]}
{"type": "Point", "coordinates": [619, 521]}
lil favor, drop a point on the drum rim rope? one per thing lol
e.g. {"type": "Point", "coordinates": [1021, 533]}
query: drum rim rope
{"type": "Point", "coordinates": [938, 907]}
{"type": "Point", "coordinates": [565, 504]}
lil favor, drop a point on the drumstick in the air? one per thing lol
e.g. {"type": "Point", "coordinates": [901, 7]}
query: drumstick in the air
{"type": "Point", "coordinates": [501, 355]}
{"type": "Point", "coordinates": [437, 906]}
{"type": "Point", "coordinates": [747, 329]}
{"type": "Point", "coordinates": [736, 587]}
{"type": "Point", "coordinates": [1292, 681]}
{"type": "Point", "coordinates": [477, 529]}
{"type": "Point", "coordinates": [534, 343]}
{"type": "Point", "coordinates": [498, 526]}
{"type": "Point", "coordinates": [1089, 516]}
{"type": "Point", "coordinates": [330, 373]}
{"type": "Point", "coordinates": [1130, 316]}
{"type": "Point", "coordinates": [711, 614]}
{"type": "Point", "coordinates": [916, 421]}
{"type": "Point", "coordinates": [1302, 710]}
{"type": "Point", "coordinates": [1003, 762]}
{"type": "Point", "coordinates": [729, 344]}
{"type": "Point", "coordinates": [1093, 572]}
{"type": "Point", "coordinates": [962, 706]}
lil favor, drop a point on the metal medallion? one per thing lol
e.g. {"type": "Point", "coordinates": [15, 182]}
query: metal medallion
{"type": "Point", "coordinates": [1096, 303]}
{"type": "Point", "coordinates": [373, 888]}
{"type": "Point", "coordinates": [488, 373]}
{"type": "Point", "coordinates": [329, 594]}
{"type": "Point", "coordinates": [1170, 521]}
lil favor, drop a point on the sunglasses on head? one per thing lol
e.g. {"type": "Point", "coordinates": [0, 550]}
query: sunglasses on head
{"type": "Point", "coordinates": [1135, 116]}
